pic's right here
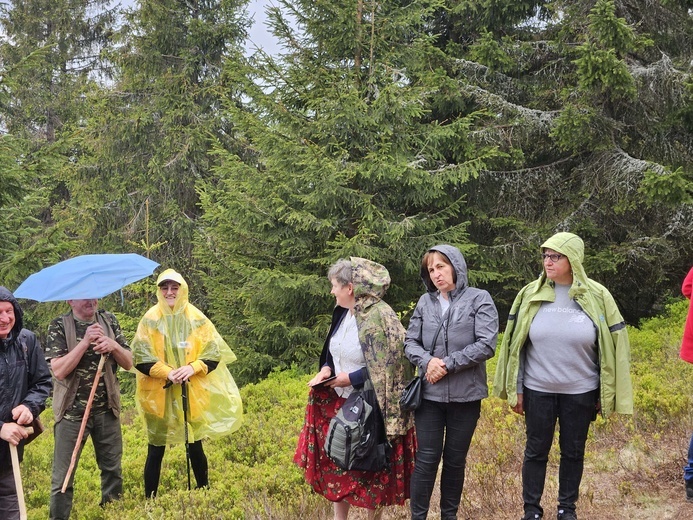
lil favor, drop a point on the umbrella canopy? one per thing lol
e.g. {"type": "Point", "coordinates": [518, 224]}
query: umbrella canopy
{"type": "Point", "coordinates": [84, 277]}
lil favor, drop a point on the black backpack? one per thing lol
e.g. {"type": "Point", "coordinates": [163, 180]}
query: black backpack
{"type": "Point", "coordinates": [356, 438]}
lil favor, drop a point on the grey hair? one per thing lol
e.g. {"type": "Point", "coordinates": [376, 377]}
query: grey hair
{"type": "Point", "coordinates": [340, 271]}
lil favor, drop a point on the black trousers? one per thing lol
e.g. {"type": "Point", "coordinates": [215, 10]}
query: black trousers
{"type": "Point", "coordinates": [442, 430]}
{"type": "Point", "coordinates": [152, 467]}
{"type": "Point", "coordinates": [574, 414]}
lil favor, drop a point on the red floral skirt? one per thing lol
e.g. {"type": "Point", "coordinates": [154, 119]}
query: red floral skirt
{"type": "Point", "coordinates": [368, 489]}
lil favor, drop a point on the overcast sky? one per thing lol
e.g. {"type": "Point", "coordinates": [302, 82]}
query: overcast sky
{"type": "Point", "coordinates": [258, 37]}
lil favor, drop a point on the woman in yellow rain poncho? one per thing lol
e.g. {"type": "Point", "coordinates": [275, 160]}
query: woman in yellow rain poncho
{"type": "Point", "coordinates": [177, 349]}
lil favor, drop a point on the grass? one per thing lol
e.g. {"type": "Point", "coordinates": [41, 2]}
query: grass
{"type": "Point", "coordinates": [633, 465]}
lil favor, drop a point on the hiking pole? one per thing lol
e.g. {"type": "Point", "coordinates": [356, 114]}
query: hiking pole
{"type": "Point", "coordinates": [18, 476]}
{"type": "Point", "coordinates": [184, 397]}
{"type": "Point", "coordinates": [83, 426]}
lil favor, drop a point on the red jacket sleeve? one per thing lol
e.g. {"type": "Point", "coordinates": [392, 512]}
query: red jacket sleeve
{"type": "Point", "coordinates": [687, 342]}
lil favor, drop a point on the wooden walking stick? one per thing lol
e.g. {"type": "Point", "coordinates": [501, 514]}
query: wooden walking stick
{"type": "Point", "coordinates": [18, 476]}
{"type": "Point", "coordinates": [83, 426]}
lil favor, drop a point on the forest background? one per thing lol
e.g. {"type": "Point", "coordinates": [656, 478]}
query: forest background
{"type": "Point", "coordinates": [379, 129]}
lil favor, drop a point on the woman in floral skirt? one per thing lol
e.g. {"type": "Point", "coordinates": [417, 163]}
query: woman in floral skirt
{"type": "Point", "coordinates": [365, 341]}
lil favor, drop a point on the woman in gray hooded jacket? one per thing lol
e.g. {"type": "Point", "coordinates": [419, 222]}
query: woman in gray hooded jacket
{"type": "Point", "coordinates": [453, 331]}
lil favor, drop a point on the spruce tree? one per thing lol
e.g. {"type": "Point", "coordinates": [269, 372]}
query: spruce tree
{"type": "Point", "coordinates": [344, 155]}
{"type": "Point", "coordinates": [50, 58]}
{"type": "Point", "coordinates": [148, 135]}
{"type": "Point", "coordinates": [590, 102]}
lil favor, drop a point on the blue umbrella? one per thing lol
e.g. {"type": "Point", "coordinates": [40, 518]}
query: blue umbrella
{"type": "Point", "coordinates": [84, 277]}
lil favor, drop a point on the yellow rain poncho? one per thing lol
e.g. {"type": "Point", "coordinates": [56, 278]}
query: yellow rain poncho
{"type": "Point", "coordinates": [169, 338]}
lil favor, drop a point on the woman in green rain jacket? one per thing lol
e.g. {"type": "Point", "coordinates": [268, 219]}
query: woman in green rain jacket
{"type": "Point", "coordinates": [565, 356]}
{"type": "Point", "coordinates": [181, 362]}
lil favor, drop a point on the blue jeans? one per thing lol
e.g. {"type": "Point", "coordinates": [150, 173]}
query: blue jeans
{"type": "Point", "coordinates": [442, 430]}
{"type": "Point", "coordinates": [574, 414]}
{"type": "Point", "coordinates": [688, 468]}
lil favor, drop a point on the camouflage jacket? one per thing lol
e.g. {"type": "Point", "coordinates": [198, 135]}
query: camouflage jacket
{"type": "Point", "coordinates": [382, 340]}
{"type": "Point", "coordinates": [82, 377]}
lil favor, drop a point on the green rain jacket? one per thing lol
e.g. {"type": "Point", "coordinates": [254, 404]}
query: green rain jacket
{"type": "Point", "coordinates": [615, 388]}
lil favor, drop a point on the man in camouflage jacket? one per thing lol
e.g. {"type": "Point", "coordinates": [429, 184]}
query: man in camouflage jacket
{"type": "Point", "coordinates": [76, 342]}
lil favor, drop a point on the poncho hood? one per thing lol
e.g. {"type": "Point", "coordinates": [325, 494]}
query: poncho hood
{"type": "Point", "coordinates": [181, 298]}
{"type": "Point", "coordinates": [370, 281]}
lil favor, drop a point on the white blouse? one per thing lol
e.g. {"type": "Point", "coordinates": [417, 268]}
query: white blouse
{"type": "Point", "coordinates": [346, 351]}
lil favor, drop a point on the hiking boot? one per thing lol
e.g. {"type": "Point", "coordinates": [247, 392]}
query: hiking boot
{"type": "Point", "coordinates": [689, 490]}
{"type": "Point", "coordinates": [531, 516]}
{"type": "Point", "coordinates": [565, 514]}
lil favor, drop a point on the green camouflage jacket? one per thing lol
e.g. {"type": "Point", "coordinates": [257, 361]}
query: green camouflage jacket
{"type": "Point", "coordinates": [382, 339]}
{"type": "Point", "coordinates": [56, 346]}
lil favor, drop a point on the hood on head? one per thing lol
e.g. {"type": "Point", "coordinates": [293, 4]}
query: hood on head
{"type": "Point", "coordinates": [368, 278]}
{"type": "Point", "coordinates": [567, 244]}
{"type": "Point", "coordinates": [458, 263]}
{"type": "Point", "coordinates": [572, 246]}
{"type": "Point", "coordinates": [7, 296]}
{"type": "Point", "coordinates": [181, 298]}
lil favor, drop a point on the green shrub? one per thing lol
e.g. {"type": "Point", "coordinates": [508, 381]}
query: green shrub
{"type": "Point", "coordinates": [252, 475]}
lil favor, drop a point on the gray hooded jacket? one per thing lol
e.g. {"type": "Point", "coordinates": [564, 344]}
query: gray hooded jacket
{"type": "Point", "coordinates": [471, 332]}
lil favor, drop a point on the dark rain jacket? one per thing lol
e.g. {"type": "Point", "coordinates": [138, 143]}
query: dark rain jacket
{"type": "Point", "coordinates": [464, 343]}
{"type": "Point", "coordinates": [24, 375]}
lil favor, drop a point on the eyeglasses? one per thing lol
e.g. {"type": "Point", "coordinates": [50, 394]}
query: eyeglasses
{"type": "Point", "coordinates": [554, 257]}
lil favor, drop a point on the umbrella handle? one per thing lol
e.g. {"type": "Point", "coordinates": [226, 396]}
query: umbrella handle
{"type": "Point", "coordinates": [83, 426]}
{"type": "Point", "coordinates": [18, 477]}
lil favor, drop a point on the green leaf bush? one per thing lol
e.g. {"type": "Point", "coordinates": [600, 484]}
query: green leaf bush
{"type": "Point", "coordinates": [252, 475]}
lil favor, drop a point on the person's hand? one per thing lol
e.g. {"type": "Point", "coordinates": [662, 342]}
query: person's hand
{"type": "Point", "coordinates": [93, 333]}
{"type": "Point", "coordinates": [324, 373]}
{"type": "Point", "coordinates": [181, 374]}
{"type": "Point", "coordinates": [436, 370]}
{"type": "Point", "coordinates": [519, 407]}
{"type": "Point", "coordinates": [340, 381]}
{"type": "Point", "coordinates": [13, 433]}
{"type": "Point", "coordinates": [22, 415]}
{"type": "Point", "coordinates": [105, 345]}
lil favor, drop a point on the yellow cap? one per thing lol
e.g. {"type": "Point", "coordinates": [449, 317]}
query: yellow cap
{"type": "Point", "coordinates": [170, 274]}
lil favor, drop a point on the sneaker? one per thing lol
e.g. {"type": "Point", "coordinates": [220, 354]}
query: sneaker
{"type": "Point", "coordinates": [689, 490]}
{"type": "Point", "coordinates": [565, 514]}
{"type": "Point", "coordinates": [531, 516]}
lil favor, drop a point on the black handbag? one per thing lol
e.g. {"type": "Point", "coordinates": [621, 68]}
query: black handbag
{"type": "Point", "coordinates": [412, 395]}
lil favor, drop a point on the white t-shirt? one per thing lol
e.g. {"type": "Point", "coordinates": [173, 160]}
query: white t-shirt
{"type": "Point", "coordinates": [346, 351]}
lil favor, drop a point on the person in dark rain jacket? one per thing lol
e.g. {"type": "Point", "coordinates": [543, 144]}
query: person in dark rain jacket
{"type": "Point", "coordinates": [25, 384]}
